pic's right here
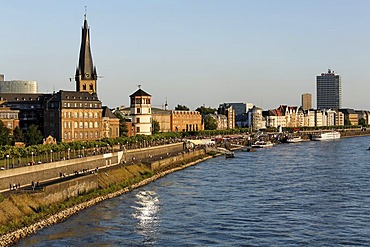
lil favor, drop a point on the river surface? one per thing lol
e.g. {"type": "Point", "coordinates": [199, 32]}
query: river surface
{"type": "Point", "coordinates": [303, 194]}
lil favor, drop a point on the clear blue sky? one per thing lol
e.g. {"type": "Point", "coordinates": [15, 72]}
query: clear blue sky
{"type": "Point", "coordinates": [193, 52]}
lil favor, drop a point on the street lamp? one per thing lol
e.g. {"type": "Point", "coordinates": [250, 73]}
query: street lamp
{"type": "Point", "coordinates": [51, 155]}
{"type": "Point", "coordinates": [69, 149]}
{"type": "Point", "coordinates": [7, 161]}
{"type": "Point", "coordinates": [32, 157]}
{"type": "Point", "coordinates": [83, 151]}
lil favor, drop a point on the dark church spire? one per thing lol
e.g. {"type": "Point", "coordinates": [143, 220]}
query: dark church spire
{"type": "Point", "coordinates": [86, 75]}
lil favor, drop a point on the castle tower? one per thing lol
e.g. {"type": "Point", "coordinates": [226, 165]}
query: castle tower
{"type": "Point", "coordinates": [86, 75]}
{"type": "Point", "coordinates": [140, 106]}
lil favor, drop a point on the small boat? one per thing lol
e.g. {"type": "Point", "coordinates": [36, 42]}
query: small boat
{"type": "Point", "coordinates": [262, 144]}
{"type": "Point", "coordinates": [294, 139]}
{"type": "Point", "coordinates": [248, 149]}
{"type": "Point", "coordinates": [229, 154]}
{"type": "Point", "coordinates": [332, 135]}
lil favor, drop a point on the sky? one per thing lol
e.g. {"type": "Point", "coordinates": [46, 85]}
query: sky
{"type": "Point", "coordinates": [192, 52]}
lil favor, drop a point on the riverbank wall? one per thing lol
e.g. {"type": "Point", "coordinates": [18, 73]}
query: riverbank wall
{"type": "Point", "coordinates": [24, 176]}
{"type": "Point", "coordinates": [59, 201]}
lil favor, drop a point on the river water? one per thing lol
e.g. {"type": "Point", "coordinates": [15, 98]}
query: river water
{"type": "Point", "coordinates": [303, 194]}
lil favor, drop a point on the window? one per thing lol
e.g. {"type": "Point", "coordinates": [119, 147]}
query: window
{"type": "Point", "coordinates": [96, 125]}
{"type": "Point", "coordinates": [84, 87]}
{"type": "Point", "coordinates": [81, 135]}
{"type": "Point", "coordinates": [86, 125]}
{"type": "Point", "coordinates": [91, 125]}
{"type": "Point", "coordinates": [91, 87]}
{"type": "Point", "coordinates": [76, 125]}
{"type": "Point", "coordinates": [137, 129]}
{"type": "Point", "coordinates": [86, 115]}
{"type": "Point", "coordinates": [81, 125]}
{"type": "Point", "coordinates": [76, 135]}
{"type": "Point", "coordinates": [75, 115]}
{"type": "Point", "coordinates": [137, 120]}
{"type": "Point", "coordinates": [137, 110]}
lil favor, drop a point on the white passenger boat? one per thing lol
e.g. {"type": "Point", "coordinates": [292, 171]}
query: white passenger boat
{"type": "Point", "coordinates": [332, 135]}
{"type": "Point", "coordinates": [294, 139]}
{"type": "Point", "coordinates": [262, 144]}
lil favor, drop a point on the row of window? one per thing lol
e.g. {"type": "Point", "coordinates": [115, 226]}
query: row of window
{"type": "Point", "coordinates": [8, 115]}
{"type": "Point", "coordinates": [81, 114]}
{"type": "Point", "coordinates": [81, 135]}
{"type": "Point", "coordinates": [140, 101]}
{"type": "Point", "coordinates": [90, 105]}
{"type": "Point", "coordinates": [76, 125]}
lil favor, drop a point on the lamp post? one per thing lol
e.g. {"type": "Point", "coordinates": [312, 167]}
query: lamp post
{"type": "Point", "coordinates": [83, 151]}
{"type": "Point", "coordinates": [7, 161]}
{"type": "Point", "coordinates": [51, 155]}
{"type": "Point", "coordinates": [69, 149]}
{"type": "Point", "coordinates": [32, 158]}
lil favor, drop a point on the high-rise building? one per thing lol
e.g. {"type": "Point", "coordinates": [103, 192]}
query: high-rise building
{"type": "Point", "coordinates": [329, 90]}
{"type": "Point", "coordinates": [306, 101]}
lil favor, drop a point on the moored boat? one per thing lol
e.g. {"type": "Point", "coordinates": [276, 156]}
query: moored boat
{"type": "Point", "coordinates": [323, 136]}
{"type": "Point", "coordinates": [262, 144]}
{"type": "Point", "coordinates": [294, 139]}
{"type": "Point", "coordinates": [229, 154]}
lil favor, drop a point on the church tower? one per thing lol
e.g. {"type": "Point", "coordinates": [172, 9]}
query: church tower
{"type": "Point", "coordinates": [86, 75]}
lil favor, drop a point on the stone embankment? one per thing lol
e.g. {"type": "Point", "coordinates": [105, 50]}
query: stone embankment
{"type": "Point", "coordinates": [13, 237]}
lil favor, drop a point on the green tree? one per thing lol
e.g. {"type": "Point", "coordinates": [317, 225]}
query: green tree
{"type": "Point", "coordinates": [4, 134]}
{"type": "Point", "coordinates": [18, 135]}
{"type": "Point", "coordinates": [206, 110]}
{"type": "Point", "coordinates": [347, 122]}
{"type": "Point", "coordinates": [123, 130]}
{"type": "Point", "coordinates": [181, 108]}
{"type": "Point", "coordinates": [33, 135]}
{"type": "Point", "coordinates": [210, 123]}
{"type": "Point", "coordinates": [362, 122]}
{"type": "Point", "coordinates": [155, 127]}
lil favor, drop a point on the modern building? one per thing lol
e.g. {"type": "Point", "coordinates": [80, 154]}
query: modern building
{"type": "Point", "coordinates": [306, 101]}
{"type": "Point", "coordinates": [329, 90]}
{"type": "Point", "coordinates": [350, 116]}
{"type": "Point", "coordinates": [228, 110]}
{"type": "Point", "coordinates": [17, 86]}
{"type": "Point", "coordinates": [221, 121]}
{"type": "Point", "coordinates": [140, 107]}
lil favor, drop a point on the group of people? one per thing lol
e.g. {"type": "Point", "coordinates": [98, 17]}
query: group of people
{"type": "Point", "coordinates": [14, 186]}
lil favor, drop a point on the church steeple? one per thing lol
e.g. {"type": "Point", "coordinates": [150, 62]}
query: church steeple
{"type": "Point", "coordinates": [86, 75]}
